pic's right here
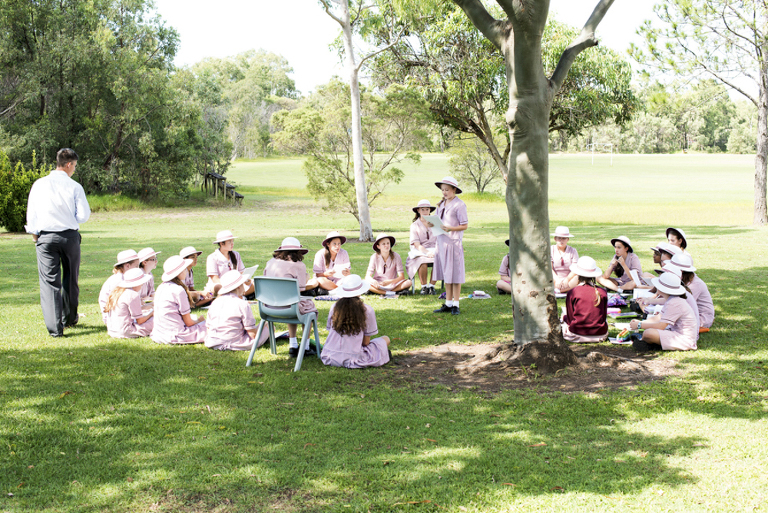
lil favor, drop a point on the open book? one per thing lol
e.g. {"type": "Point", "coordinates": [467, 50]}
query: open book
{"type": "Point", "coordinates": [437, 229]}
{"type": "Point", "coordinates": [248, 272]}
{"type": "Point", "coordinates": [337, 270]}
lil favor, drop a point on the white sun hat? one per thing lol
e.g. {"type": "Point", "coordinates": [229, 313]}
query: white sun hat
{"type": "Point", "coordinates": [381, 237]}
{"type": "Point", "coordinates": [133, 278]}
{"type": "Point", "coordinates": [351, 286]}
{"type": "Point", "coordinates": [449, 180]}
{"type": "Point", "coordinates": [147, 253]}
{"type": "Point", "coordinates": [624, 240]}
{"type": "Point", "coordinates": [224, 236]}
{"type": "Point", "coordinates": [683, 261]}
{"type": "Point", "coordinates": [424, 204]}
{"type": "Point", "coordinates": [230, 280]}
{"type": "Point", "coordinates": [562, 231]}
{"type": "Point", "coordinates": [670, 268]}
{"type": "Point", "coordinates": [669, 283]}
{"type": "Point", "coordinates": [174, 266]}
{"type": "Point", "coordinates": [670, 249]}
{"type": "Point", "coordinates": [126, 256]}
{"type": "Point", "coordinates": [292, 244]}
{"type": "Point", "coordinates": [587, 267]}
{"type": "Point", "coordinates": [189, 251]}
{"type": "Point", "coordinates": [680, 232]}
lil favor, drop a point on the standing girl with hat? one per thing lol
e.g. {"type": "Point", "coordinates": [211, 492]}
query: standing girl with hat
{"type": "Point", "coordinates": [449, 262]}
{"type": "Point", "coordinates": [173, 311]}
{"type": "Point", "coordinates": [623, 261]}
{"type": "Point", "coordinates": [676, 328]}
{"type": "Point", "coordinates": [423, 243]}
{"type": "Point", "coordinates": [199, 298]}
{"type": "Point", "coordinates": [563, 257]}
{"type": "Point", "coordinates": [124, 316]}
{"type": "Point", "coordinates": [288, 262]}
{"type": "Point", "coordinates": [127, 259]}
{"type": "Point", "coordinates": [328, 259]}
{"type": "Point", "coordinates": [698, 289]}
{"type": "Point", "coordinates": [586, 305]}
{"type": "Point", "coordinates": [147, 262]}
{"type": "Point", "coordinates": [385, 269]}
{"type": "Point", "coordinates": [351, 324]}
{"type": "Point", "coordinates": [224, 259]}
{"type": "Point", "coordinates": [230, 325]}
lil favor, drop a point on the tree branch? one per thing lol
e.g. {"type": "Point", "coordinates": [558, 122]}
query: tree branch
{"type": "Point", "coordinates": [482, 20]}
{"type": "Point", "coordinates": [384, 49]}
{"type": "Point", "coordinates": [327, 7]}
{"type": "Point", "coordinates": [585, 40]}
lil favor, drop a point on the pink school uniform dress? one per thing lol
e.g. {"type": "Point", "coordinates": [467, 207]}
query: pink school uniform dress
{"type": "Point", "coordinates": [449, 259]}
{"type": "Point", "coordinates": [348, 351]}
{"type": "Point", "coordinates": [319, 267]}
{"type": "Point", "coordinates": [217, 264]}
{"type": "Point", "coordinates": [228, 319]}
{"type": "Point", "coordinates": [148, 289]}
{"type": "Point", "coordinates": [424, 236]}
{"type": "Point", "coordinates": [561, 262]}
{"type": "Point", "coordinates": [277, 268]}
{"type": "Point", "coordinates": [171, 303]}
{"type": "Point", "coordinates": [633, 262]}
{"type": "Point", "coordinates": [703, 299]}
{"type": "Point", "coordinates": [121, 320]}
{"type": "Point", "coordinates": [381, 270]}
{"type": "Point", "coordinates": [106, 290]}
{"type": "Point", "coordinates": [504, 267]}
{"type": "Point", "coordinates": [683, 326]}
{"type": "Point", "coordinates": [189, 281]}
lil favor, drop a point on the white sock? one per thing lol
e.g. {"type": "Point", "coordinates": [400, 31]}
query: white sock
{"type": "Point", "coordinates": [293, 342]}
{"type": "Point", "coordinates": [456, 303]}
{"type": "Point", "coordinates": [449, 304]}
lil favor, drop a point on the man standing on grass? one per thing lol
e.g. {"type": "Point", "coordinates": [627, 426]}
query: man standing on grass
{"type": "Point", "coordinates": [56, 206]}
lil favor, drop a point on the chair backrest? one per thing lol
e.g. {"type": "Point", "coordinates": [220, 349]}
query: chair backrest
{"type": "Point", "coordinates": [277, 297]}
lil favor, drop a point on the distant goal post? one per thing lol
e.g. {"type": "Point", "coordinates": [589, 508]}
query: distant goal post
{"type": "Point", "coordinates": [598, 148]}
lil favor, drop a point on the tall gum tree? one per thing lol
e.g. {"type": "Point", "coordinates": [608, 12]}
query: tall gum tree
{"type": "Point", "coordinates": [531, 93]}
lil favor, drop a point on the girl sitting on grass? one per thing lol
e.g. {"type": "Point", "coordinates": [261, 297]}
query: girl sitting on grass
{"type": "Point", "coordinates": [698, 290]}
{"type": "Point", "coordinates": [351, 324]}
{"type": "Point", "coordinates": [124, 316]}
{"type": "Point", "coordinates": [230, 325]}
{"type": "Point", "coordinates": [385, 269]}
{"type": "Point", "coordinates": [624, 261]}
{"type": "Point", "coordinates": [148, 262]}
{"type": "Point", "coordinates": [127, 259]}
{"type": "Point", "coordinates": [328, 259]}
{"type": "Point", "coordinates": [173, 311]}
{"type": "Point", "coordinates": [504, 285]}
{"type": "Point", "coordinates": [676, 328]}
{"type": "Point", "coordinates": [586, 305]}
{"type": "Point", "coordinates": [199, 298]}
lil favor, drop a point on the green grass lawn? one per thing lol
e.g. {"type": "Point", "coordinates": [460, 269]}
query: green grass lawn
{"type": "Point", "coordinates": [89, 423]}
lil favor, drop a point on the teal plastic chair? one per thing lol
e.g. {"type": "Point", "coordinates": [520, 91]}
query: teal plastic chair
{"type": "Point", "coordinates": [279, 302]}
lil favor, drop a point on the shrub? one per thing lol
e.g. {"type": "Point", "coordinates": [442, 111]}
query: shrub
{"type": "Point", "coordinates": [15, 184]}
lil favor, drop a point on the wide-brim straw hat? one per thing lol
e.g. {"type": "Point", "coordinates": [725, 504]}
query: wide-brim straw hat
{"type": "Point", "coordinates": [230, 280]}
{"type": "Point", "coordinates": [670, 268]}
{"type": "Point", "coordinates": [670, 249]}
{"type": "Point", "coordinates": [669, 283]}
{"type": "Point", "coordinates": [147, 253]}
{"type": "Point", "coordinates": [133, 278]}
{"type": "Point", "coordinates": [587, 267]}
{"type": "Point", "coordinates": [683, 261]}
{"type": "Point", "coordinates": [679, 232]}
{"type": "Point", "coordinates": [382, 237]}
{"type": "Point", "coordinates": [224, 236]}
{"type": "Point", "coordinates": [126, 256]}
{"type": "Point", "coordinates": [189, 251]}
{"type": "Point", "coordinates": [174, 266]}
{"type": "Point", "coordinates": [351, 286]}
{"type": "Point", "coordinates": [449, 180]}
{"type": "Point", "coordinates": [292, 244]}
{"type": "Point", "coordinates": [423, 204]}
{"type": "Point", "coordinates": [562, 231]}
{"type": "Point", "coordinates": [334, 235]}
{"type": "Point", "coordinates": [624, 240]}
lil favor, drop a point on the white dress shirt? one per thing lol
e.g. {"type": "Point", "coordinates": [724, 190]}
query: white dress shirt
{"type": "Point", "coordinates": [56, 203]}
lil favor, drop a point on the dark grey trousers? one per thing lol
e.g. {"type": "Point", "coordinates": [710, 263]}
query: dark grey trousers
{"type": "Point", "coordinates": [58, 264]}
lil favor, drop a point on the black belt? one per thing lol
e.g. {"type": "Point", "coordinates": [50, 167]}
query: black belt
{"type": "Point", "coordinates": [63, 232]}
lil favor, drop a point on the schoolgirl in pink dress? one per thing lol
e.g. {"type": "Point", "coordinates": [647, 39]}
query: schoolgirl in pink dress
{"type": "Point", "coordinates": [224, 259]}
{"type": "Point", "coordinates": [698, 290]}
{"type": "Point", "coordinates": [200, 298]}
{"type": "Point", "coordinates": [449, 262]}
{"type": "Point", "coordinates": [230, 325]}
{"type": "Point", "coordinates": [586, 305]}
{"type": "Point", "coordinates": [563, 257]}
{"type": "Point", "coordinates": [653, 304]}
{"type": "Point", "coordinates": [676, 328]}
{"type": "Point", "coordinates": [127, 259]}
{"type": "Point", "coordinates": [288, 262]}
{"type": "Point", "coordinates": [174, 323]}
{"type": "Point", "coordinates": [625, 260]}
{"type": "Point", "coordinates": [329, 260]}
{"type": "Point", "coordinates": [147, 263]}
{"type": "Point", "coordinates": [385, 268]}
{"type": "Point", "coordinates": [351, 324]}
{"type": "Point", "coordinates": [676, 237]}
{"type": "Point", "coordinates": [423, 244]}
{"type": "Point", "coordinates": [504, 285]}
{"type": "Point", "coordinates": [125, 319]}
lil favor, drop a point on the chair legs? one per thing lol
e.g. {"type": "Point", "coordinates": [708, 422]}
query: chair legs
{"type": "Point", "coordinates": [255, 343]}
{"type": "Point", "coordinates": [305, 338]}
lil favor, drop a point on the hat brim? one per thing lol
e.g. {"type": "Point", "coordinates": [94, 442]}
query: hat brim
{"type": "Point", "coordinates": [175, 272]}
{"type": "Point", "coordinates": [392, 242]}
{"type": "Point", "coordinates": [198, 253]}
{"type": "Point", "coordinates": [327, 241]}
{"type": "Point", "coordinates": [219, 241]}
{"type": "Point", "coordinates": [667, 290]}
{"type": "Point", "coordinates": [121, 262]}
{"type": "Point", "coordinates": [141, 281]}
{"type": "Point", "coordinates": [303, 251]}
{"type": "Point", "coordinates": [438, 184]}
{"type": "Point", "coordinates": [584, 272]}
{"type": "Point", "coordinates": [431, 209]}
{"type": "Point", "coordinates": [149, 256]}
{"type": "Point", "coordinates": [364, 287]}
{"type": "Point", "coordinates": [565, 236]}
{"type": "Point", "coordinates": [233, 286]}
{"type": "Point", "coordinates": [679, 234]}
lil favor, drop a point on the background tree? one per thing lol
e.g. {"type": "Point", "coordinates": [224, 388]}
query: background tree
{"type": "Point", "coordinates": [319, 128]}
{"type": "Point", "coordinates": [725, 40]}
{"type": "Point", "coordinates": [471, 162]}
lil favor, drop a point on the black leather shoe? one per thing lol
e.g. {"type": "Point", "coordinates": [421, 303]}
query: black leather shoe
{"type": "Point", "coordinates": [293, 352]}
{"type": "Point", "coordinates": [455, 310]}
{"type": "Point", "coordinates": [639, 345]}
{"type": "Point", "coordinates": [501, 292]}
{"type": "Point", "coordinates": [443, 309]}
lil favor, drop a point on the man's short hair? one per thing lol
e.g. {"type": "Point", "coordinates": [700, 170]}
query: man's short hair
{"type": "Point", "coordinates": [66, 155]}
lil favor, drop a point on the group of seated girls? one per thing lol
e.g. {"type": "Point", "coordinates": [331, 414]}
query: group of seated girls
{"type": "Point", "coordinates": [677, 304]}
{"type": "Point", "coordinates": [231, 324]}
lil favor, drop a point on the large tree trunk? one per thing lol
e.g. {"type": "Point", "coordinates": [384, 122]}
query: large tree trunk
{"type": "Point", "coordinates": [364, 216]}
{"type": "Point", "coordinates": [761, 158]}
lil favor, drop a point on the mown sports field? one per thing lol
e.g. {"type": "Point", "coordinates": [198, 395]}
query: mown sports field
{"type": "Point", "coordinates": [94, 424]}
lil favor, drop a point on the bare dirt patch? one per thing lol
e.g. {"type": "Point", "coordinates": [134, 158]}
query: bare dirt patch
{"type": "Point", "coordinates": [483, 367]}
